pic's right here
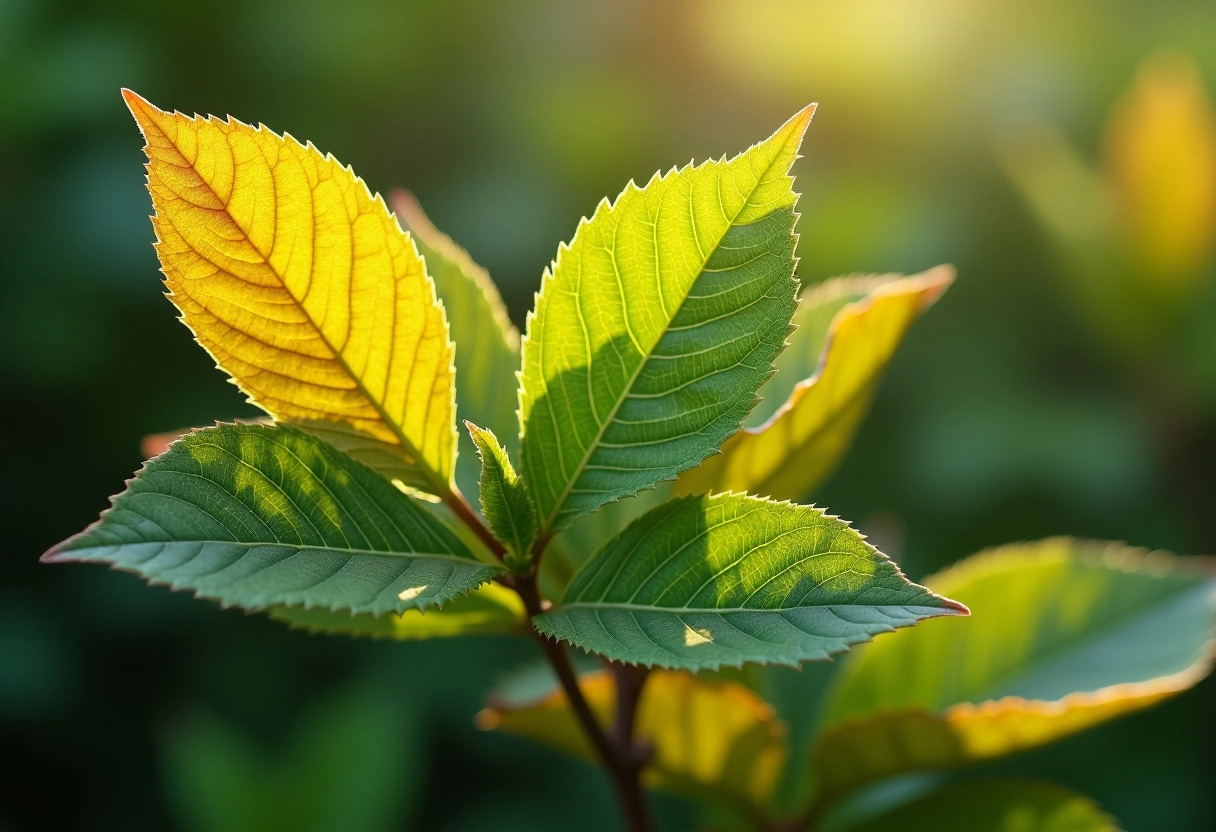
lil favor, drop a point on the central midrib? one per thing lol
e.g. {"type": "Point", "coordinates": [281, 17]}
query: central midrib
{"type": "Point", "coordinates": [302, 547]}
{"type": "Point", "coordinates": [591, 448]}
{"type": "Point", "coordinates": [443, 487]}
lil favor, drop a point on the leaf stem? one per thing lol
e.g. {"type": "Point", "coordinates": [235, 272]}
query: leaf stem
{"type": "Point", "coordinates": [621, 757]}
{"type": "Point", "coordinates": [461, 508]}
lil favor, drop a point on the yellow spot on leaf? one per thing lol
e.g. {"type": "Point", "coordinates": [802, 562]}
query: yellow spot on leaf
{"type": "Point", "coordinates": [412, 593]}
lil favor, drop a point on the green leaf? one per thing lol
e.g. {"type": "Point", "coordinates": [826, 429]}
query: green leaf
{"type": "Point", "coordinates": [814, 404]}
{"type": "Point", "coordinates": [491, 608]}
{"type": "Point", "coordinates": [712, 740]}
{"type": "Point", "coordinates": [1066, 634]}
{"type": "Point", "coordinates": [655, 327]}
{"type": "Point", "coordinates": [704, 581]}
{"type": "Point", "coordinates": [487, 343]}
{"type": "Point", "coordinates": [504, 500]}
{"type": "Point", "coordinates": [1004, 805]}
{"type": "Point", "coordinates": [579, 541]}
{"type": "Point", "coordinates": [255, 516]}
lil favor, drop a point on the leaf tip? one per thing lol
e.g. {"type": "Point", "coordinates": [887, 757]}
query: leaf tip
{"type": "Point", "coordinates": [795, 128]}
{"type": "Point", "coordinates": [54, 555]}
{"type": "Point", "coordinates": [952, 607]}
{"type": "Point", "coordinates": [143, 110]}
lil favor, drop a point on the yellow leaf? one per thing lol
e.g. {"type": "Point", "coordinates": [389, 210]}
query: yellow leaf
{"type": "Point", "coordinates": [710, 738]}
{"type": "Point", "coordinates": [304, 289]}
{"type": "Point", "coordinates": [806, 437]}
{"type": "Point", "coordinates": [1160, 154]}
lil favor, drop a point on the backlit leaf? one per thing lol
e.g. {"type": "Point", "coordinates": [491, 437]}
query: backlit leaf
{"type": "Point", "coordinates": [487, 343]}
{"type": "Point", "coordinates": [303, 288]}
{"type": "Point", "coordinates": [504, 500]}
{"type": "Point", "coordinates": [704, 581]}
{"type": "Point", "coordinates": [655, 327]}
{"type": "Point", "coordinates": [257, 516]}
{"type": "Point", "coordinates": [1005, 805]}
{"type": "Point", "coordinates": [1066, 634]}
{"type": "Point", "coordinates": [829, 376]}
{"type": "Point", "coordinates": [711, 739]}
{"type": "Point", "coordinates": [491, 608]}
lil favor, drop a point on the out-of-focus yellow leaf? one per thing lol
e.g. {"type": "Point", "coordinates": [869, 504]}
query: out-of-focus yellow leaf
{"type": "Point", "coordinates": [1160, 158]}
{"type": "Point", "coordinates": [802, 442]}
{"type": "Point", "coordinates": [304, 289]}
{"type": "Point", "coordinates": [491, 608]}
{"type": "Point", "coordinates": [711, 738]}
{"type": "Point", "coordinates": [1064, 635]}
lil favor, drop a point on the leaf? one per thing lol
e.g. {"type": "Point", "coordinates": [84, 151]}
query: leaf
{"type": "Point", "coordinates": [303, 288]}
{"type": "Point", "coordinates": [504, 500]}
{"type": "Point", "coordinates": [655, 326]}
{"type": "Point", "coordinates": [1160, 159]}
{"type": "Point", "coordinates": [579, 541]}
{"type": "Point", "coordinates": [711, 739]}
{"type": "Point", "coordinates": [491, 608]}
{"type": "Point", "coordinates": [1066, 634]}
{"type": "Point", "coordinates": [487, 343]}
{"type": "Point", "coordinates": [801, 441]}
{"type": "Point", "coordinates": [997, 805]}
{"type": "Point", "coordinates": [256, 516]}
{"type": "Point", "coordinates": [704, 581]}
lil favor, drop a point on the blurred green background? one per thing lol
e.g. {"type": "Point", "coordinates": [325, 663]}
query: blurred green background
{"type": "Point", "coordinates": [1059, 154]}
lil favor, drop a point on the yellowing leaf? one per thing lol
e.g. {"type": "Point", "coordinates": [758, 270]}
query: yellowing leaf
{"type": "Point", "coordinates": [1160, 155]}
{"type": "Point", "coordinates": [487, 343]}
{"type": "Point", "coordinates": [710, 738]}
{"type": "Point", "coordinates": [806, 437]}
{"type": "Point", "coordinates": [303, 288]}
{"type": "Point", "coordinates": [491, 608]}
{"type": "Point", "coordinates": [1064, 635]}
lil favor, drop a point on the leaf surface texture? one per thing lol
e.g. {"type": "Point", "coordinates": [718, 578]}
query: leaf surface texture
{"type": "Point", "coordinates": [655, 326]}
{"type": "Point", "coordinates": [704, 581]}
{"type": "Point", "coordinates": [256, 516]}
{"type": "Point", "coordinates": [304, 289]}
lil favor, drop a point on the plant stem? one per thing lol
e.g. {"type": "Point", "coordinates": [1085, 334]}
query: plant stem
{"type": "Point", "coordinates": [461, 508]}
{"type": "Point", "coordinates": [621, 758]}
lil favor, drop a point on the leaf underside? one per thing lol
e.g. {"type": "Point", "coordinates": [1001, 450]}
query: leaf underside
{"type": "Point", "coordinates": [304, 289]}
{"type": "Point", "coordinates": [255, 516]}
{"type": "Point", "coordinates": [655, 327]}
{"type": "Point", "coordinates": [491, 608]}
{"type": "Point", "coordinates": [705, 581]}
{"type": "Point", "coordinates": [1067, 634]}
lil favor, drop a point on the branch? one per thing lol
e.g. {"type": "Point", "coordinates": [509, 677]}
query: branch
{"type": "Point", "coordinates": [617, 752]}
